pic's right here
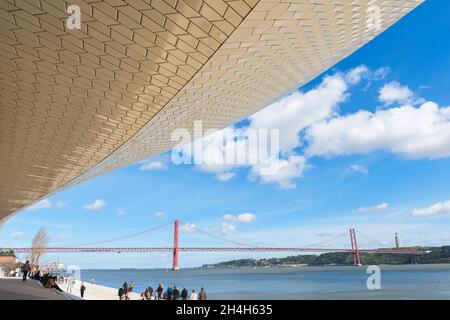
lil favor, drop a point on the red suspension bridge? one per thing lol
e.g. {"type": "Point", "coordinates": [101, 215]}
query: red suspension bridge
{"type": "Point", "coordinates": [236, 247]}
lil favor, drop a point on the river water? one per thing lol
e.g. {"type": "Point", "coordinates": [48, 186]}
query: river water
{"type": "Point", "coordinates": [330, 282]}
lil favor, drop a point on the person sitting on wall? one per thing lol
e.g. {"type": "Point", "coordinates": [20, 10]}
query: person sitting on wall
{"type": "Point", "coordinates": [51, 284]}
{"type": "Point", "coordinates": [36, 276]}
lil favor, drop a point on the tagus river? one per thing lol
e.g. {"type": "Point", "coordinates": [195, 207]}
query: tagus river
{"type": "Point", "coordinates": [330, 282]}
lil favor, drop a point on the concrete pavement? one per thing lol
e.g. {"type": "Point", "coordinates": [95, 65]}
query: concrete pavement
{"type": "Point", "coordinates": [16, 289]}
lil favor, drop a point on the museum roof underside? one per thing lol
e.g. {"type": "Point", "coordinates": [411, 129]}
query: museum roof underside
{"type": "Point", "coordinates": [78, 103]}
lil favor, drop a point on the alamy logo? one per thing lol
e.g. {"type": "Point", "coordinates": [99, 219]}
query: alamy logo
{"type": "Point", "coordinates": [227, 147]}
{"type": "Point", "coordinates": [74, 20]}
{"type": "Point", "coordinates": [374, 280]}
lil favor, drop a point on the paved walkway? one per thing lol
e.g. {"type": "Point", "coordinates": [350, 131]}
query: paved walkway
{"type": "Point", "coordinates": [16, 289]}
{"type": "Point", "coordinates": [98, 292]}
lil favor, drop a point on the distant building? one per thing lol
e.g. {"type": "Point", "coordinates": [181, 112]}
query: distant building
{"type": "Point", "coordinates": [7, 258]}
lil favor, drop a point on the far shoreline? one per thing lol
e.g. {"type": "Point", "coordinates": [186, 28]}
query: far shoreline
{"type": "Point", "coordinates": [257, 267]}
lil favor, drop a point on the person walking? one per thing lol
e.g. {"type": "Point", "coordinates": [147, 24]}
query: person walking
{"type": "Point", "coordinates": [25, 269]}
{"type": "Point", "coordinates": [120, 293]}
{"type": "Point", "coordinates": [184, 294]}
{"type": "Point", "coordinates": [202, 294]}
{"type": "Point", "coordinates": [149, 293]}
{"type": "Point", "coordinates": [194, 295]}
{"type": "Point", "coordinates": [70, 283]}
{"type": "Point", "coordinates": [160, 291]}
{"type": "Point", "coordinates": [82, 289]}
{"type": "Point", "coordinates": [131, 286]}
{"type": "Point", "coordinates": [169, 293]}
{"type": "Point", "coordinates": [176, 293]}
{"type": "Point", "coordinates": [126, 289]}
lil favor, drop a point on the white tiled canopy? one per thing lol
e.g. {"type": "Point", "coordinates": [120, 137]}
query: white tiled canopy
{"type": "Point", "coordinates": [75, 104]}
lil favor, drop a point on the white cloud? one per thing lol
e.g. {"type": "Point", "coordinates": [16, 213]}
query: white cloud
{"type": "Point", "coordinates": [17, 234]}
{"type": "Point", "coordinates": [188, 227]}
{"type": "Point", "coordinates": [46, 204]}
{"type": "Point", "coordinates": [225, 176]}
{"type": "Point", "coordinates": [358, 168]}
{"type": "Point", "coordinates": [299, 110]}
{"type": "Point", "coordinates": [356, 74]}
{"type": "Point", "coordinates": [43, 204]}
{"type": "Point", "coordinates": [227, 228]}
{"type": "Point", "coordinates": [240, 218]}
{"type": "Point", "coordinates": [227, 225]}
{"type": "Point", "coordinates": [381, 73]}
{"type": "Point", "coordinates": [214, 147]}
{"type": "Point", "coordinates": [281, 171]}
{"type": "Point", "coordinates": [422, 132]}
{"type": "Point", "coordinates": [395, 92]}
{"type": "Point", "coordinates": [96, 205]}
{"type": "Point", "coordinates": [160, 214]}
{"type": "Point", "coordinates": [378, 208]}
{"type": "Point", "coordinates": [121, 212]}
{"type": "Point", "coordinates": [311, 120]}
{"type": "Point", "coordinates": [228, 222]}
{"type": "Point", "coordinates": [433, 210]}
{"type": "Point", "coordinates": [153, 165]}
{"type": "Point", "coordinates": [290, 116]}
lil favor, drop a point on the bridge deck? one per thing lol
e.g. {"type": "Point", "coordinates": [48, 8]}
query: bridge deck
{"type": "Point", "coordinates": [218, 249]}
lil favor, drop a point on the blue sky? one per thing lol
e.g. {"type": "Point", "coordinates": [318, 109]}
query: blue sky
{"type": "Point", "coordinates": [390, 174]}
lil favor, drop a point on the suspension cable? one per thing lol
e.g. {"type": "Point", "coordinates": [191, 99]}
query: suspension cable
{"type": "Point", "coordinates": [371, 239]}
{"type": "Point", "coordinates": [312, 245]}
{"type": "Point", "coordinates": [123, 237]}
{"type": "Point", "coordinates": [209, 234]}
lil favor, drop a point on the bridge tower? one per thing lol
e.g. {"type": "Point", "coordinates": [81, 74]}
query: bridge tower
{"type": "Point", "coordinates": [356, 258]}
{"type": "Point", "coordinates": [397, 240]}
{"type": "Point", "coordinates": [175, 246]}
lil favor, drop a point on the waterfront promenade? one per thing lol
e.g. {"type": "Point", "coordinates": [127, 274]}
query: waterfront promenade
{"type": "Point", "coordinates": [98, 292]}
{"type": "Point", "coordinates": [16, 289]}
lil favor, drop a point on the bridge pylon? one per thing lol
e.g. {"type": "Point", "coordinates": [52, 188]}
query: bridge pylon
{"type": "Point", "coordinates": [356, 258]}
{"type": "Point", "coordinates": [175, 246]}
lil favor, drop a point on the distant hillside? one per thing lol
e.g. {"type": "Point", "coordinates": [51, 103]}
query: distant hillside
{"type": "Point", "coordinates": [437, 255]}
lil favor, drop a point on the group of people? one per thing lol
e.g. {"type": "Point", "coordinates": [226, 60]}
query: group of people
{"type": "Point", "coordinates": [69, 282]}
{"type": "Point", "coordinates": [172, 293]}
{"type": "Point", "coordinates": [125, 289]}
{"type": "Point", "coordinates": [49, 280]}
